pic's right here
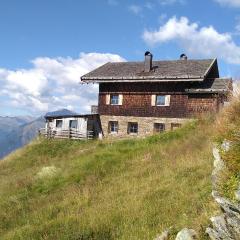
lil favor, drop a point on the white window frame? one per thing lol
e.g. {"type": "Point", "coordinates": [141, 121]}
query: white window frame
{"type": "Point", "coordinates": [107, 99]}
{"type": "Point", "coordinates": [115, 127]}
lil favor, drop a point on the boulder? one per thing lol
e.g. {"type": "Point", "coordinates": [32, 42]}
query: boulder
{"type": "Point", "coordinates": [218, 167]}
{"type": "Point", "coordinates": [237, 193]}
{"type": "Point", "coordinates": [230, 209]}
{"type": "Point", "coordinates": [226, 145]}
{"type": "Point", "coordinates": [214, 235]}
{"type": "Point", "coordinates": [186, 234]}
{"type": "Point", "coordinates": [224, 227]}
{"type": "Point", "coordinates": [220, 225]}
{"type": "Point", "coordinates": [233, 224]}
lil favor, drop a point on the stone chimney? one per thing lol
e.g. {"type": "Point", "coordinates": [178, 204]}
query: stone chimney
{"type": "Point", "coordinates": [148, 62]}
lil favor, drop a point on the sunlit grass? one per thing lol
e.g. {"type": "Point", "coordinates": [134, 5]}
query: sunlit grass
{"type": "Point", "coordinates": [128, 189]}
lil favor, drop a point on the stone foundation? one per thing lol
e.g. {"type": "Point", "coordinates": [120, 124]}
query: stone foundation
{"type": "Point", "coordinates": [145, 125]}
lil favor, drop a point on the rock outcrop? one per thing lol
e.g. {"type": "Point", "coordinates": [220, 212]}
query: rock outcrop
{"type": "Point", "coordinates": [186, 234]}
{"type": "Point", "coordinates": [227, 225]}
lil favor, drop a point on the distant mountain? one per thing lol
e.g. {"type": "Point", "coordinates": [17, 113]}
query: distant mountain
{"type": "Point", "coordinates": [60, 112]}
{"type": "Point", "coordinates": [16, 132]}
{"type": "Point", "coordinates": [8, 124]}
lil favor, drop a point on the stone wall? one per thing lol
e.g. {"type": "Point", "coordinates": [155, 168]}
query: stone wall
{"type": "Point", "coordinates": [145, 124]}
{"type": "Point", "coordinates": [227, 225]}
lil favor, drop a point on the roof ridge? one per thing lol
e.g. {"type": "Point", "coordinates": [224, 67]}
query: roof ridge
{"type": "Point", "coordinates": [163, 60]}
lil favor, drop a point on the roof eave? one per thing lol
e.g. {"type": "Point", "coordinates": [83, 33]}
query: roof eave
{"type": "Point", "coordinates": [71, 116]}
{"type": "Point", "coordinates": [143, 79]}
{"type": "Point", "coordinates": [206, 90]}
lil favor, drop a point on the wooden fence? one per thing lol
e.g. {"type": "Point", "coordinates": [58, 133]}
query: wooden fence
{"type": "Point", "coordinates": [65, 134]}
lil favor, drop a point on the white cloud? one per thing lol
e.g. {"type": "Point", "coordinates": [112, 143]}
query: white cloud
{"type": "Point", "coordinates": [136, 9]}
{"type": "Point", "coordinates": [195, 40]}
{"type": "Point", "coordinates": [229, 3]}
{"type": "Point", "coordinates": [22, 80]}
{"type": "Point", "coordinates": [53, 83]}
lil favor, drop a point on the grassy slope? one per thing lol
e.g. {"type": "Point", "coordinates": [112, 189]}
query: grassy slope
{"type": "Point", "coordinates": [130, 189]}
{"type": "Point", "coordinates": [228, 128]}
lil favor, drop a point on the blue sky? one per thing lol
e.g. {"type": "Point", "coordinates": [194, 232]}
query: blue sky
{"type": "Point", "coordinates": [47, 45]}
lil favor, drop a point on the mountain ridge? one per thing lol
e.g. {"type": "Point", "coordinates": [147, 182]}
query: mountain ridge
{"type": "Point", "coordinates": [16, 132]}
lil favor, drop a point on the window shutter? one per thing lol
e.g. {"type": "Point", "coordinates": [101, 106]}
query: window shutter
{"type": "Point", "coordinates": [120, 99]}
{"type": "Point", "coordinates": [107, 99]}
{"type": "Point", "coordinates": [167, 101]}
{"type": "Point", "coordinates": [153, 100]}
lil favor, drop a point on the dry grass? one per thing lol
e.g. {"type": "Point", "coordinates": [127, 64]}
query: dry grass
{"type": "Point", "coordinates": [130, 189]}
{"type": "Point", "coordinates": [228, 128]}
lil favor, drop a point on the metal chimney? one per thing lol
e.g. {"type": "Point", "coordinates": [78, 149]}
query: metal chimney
{"type": "Point", "coordinates": [183, 56]}
{"type": "Point", "coordinates": [148, 62]}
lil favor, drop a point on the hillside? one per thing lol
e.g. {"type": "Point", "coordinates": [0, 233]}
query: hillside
{"type": "Point", "coordinates": [130, 189]}
{"type": "Point", "coordinates": [16, 132]}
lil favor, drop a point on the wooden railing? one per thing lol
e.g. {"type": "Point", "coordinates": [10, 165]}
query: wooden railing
{"type": "Point", "coordinates": [70, 133]}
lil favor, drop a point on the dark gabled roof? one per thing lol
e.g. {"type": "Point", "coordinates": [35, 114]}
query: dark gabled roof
{"type": "Point", "coordinates": [65, 113]}
{"type": "Point", "coordinates": [178, 70]}
{"type": "Point", "coordinates": [60, 112]}
{"type": "Point", "coordinates": [216, 85]}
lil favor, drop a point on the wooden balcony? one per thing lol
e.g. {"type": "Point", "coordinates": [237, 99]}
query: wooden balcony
{"type": "Point", "coordinates": [66, 134]}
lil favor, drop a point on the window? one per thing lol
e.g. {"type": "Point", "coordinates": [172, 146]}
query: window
{"type": "Point", "coordinates": [175, 126]}
{"type": "Point", "coordinates": [160, 100]}
{"type": "Point", "coordinates": [113, 127]}
{"type": "Point", "coordinates": [132, 128]}
{"type": "Point", "coordinates": [73, 124]}
{"type": "Point", "coordinates": [59, 123]}
{"type": "Point", "coordinates": [159, 127]}
{"type": "Point", "coordinates": [114, 99]}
